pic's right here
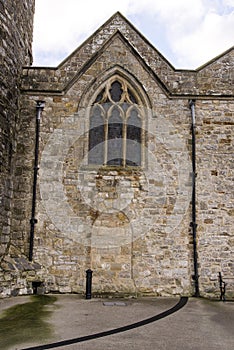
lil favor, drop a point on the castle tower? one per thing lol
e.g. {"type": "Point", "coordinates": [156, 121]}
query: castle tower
{"type": "Point", "coordinates": [16, 31]}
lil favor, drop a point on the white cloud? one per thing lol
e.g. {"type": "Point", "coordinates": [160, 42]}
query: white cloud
{"type": "Point", "coordinates": [194, 31]}
{"type": "Point", "coordinates": [60, 26]}
{"type": "Point", "coordinates": [213, 36]}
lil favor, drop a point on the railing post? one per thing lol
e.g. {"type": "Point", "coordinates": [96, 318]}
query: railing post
{"type": "Point", "coordinates": [89, 273]}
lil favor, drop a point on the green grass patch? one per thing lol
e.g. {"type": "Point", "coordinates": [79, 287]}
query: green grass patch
{"type": "Point", "coordinates": [26, 322]}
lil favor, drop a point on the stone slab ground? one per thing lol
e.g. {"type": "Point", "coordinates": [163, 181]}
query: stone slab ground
{"type": "Point", "coordinates": [200, 324]}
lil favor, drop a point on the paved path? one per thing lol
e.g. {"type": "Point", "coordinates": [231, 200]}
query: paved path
{"type": "Point", "coordinates": [199, 325]}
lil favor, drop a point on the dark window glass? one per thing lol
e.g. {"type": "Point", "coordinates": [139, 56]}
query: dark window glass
{"type": "Point", "coordinates": [131, 96]}
{"type": "Point", "coordinates": [116, 91]}
{"type": "Point", "coordinates": [115, 141]}
{"type": "Point", "coordinates": [125, 106]}
{"type": "Point", "coordinates": [100, 96]}
{"type": "Point", "coordinates": [133, 142]}
{"type": "Point", "coordinates": [96, 138]}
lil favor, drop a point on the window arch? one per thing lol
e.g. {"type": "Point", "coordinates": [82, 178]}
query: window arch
{"type": "Point", "coordinates": [116, 126]}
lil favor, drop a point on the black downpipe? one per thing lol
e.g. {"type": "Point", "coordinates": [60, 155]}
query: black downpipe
{"type": "Point", "coordinates": [39, 108]}
{"type": "Point", "coordinates": [194, 223]}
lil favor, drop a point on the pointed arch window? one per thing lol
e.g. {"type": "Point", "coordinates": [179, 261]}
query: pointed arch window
{"type": "Point", "coordinates": [115, 126]}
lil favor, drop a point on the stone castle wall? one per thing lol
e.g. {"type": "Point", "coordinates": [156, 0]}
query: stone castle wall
{"type": "Point", "coordinates": [131, 226]}
{"type": "Point", "coordinates": [16, 28]}
{"type": "Point", "coordinates": [215, 192]}
{"type": "Point", "coordinates": [121, 223]}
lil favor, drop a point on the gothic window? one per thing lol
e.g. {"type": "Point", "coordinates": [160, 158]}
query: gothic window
{"type": "Point", "coordinates": [115, 126]}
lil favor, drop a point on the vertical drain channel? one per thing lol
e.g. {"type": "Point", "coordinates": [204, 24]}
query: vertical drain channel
{"type": "Point", "coordinates": [194, 223]}
{"type": "Point", "coordinates": [39, 108]}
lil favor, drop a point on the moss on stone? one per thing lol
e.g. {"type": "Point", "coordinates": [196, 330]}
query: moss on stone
{"type": "Point", "coordinates": [26, 322]}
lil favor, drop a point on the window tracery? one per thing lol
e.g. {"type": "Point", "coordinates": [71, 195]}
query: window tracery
{"type": "Point", "coordinates": [115, 126]}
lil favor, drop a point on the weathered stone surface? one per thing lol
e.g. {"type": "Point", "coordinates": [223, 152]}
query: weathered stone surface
{"type": "Point", "coordinates": [214, 78]}
{"type": "Point", "coordinates": [130, 225]}
{"type": "Point", "coordinates": [16, 22]}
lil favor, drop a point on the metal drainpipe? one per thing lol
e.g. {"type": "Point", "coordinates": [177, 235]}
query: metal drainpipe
{"type": "Point", "coordinates": [193, 223]}
{"type": "Point", "coordinates": [39, 108]}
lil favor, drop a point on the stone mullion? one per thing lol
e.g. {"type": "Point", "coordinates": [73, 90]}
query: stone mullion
{"type": "Point", "coordinates": [106, 138]}
{"type": "Point", "coordinates": [124, 141]}
{"type": "Point", "coordinates": [143, 145]}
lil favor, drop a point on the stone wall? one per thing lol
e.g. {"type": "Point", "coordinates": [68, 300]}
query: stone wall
{"type": "Point", "coordinates": [214, 78]}
{"type": "Point", "coordinates": [130, 225]}
{"type": "Point", "coordinates": [215, 193]}
{"type": "Point", "coordinates": [16, 22]}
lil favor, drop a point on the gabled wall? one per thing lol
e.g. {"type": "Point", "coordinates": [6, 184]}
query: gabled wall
{"type": "Point", "coordinates": [130, 226]}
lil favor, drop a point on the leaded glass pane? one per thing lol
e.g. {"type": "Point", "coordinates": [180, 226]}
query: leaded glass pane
{"type": "Point", "coordinates": [131, 96]}
{"type": "Point", "coordinates": [96, 138]}
{"type": "Point", "coordinates": [133, 142]}
{"type": "Point", "coordinates": [115, 141]}
{"type": "Point", "coordinates": [100, 96]}
{"type": "Point", "coordinates": [116, 91]}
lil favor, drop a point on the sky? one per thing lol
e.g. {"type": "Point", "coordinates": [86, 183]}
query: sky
{"type": "Point", "coordinates": [188, 33]}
